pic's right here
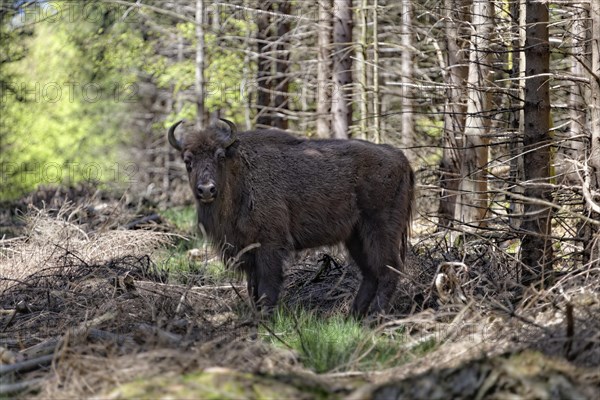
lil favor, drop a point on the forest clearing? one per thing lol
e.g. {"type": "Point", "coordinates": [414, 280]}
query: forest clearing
{"type": "Point", "coordinates": [113, 284]}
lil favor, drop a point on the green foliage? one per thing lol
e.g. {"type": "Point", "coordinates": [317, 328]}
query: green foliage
{"type": "Point", "coordinates": [61, 124]}
{"type": "Point", "coordinates": [431, 127]}
{"type": "Point", "coordinates": [336, 342]}
{"type": "Point", "coordinates": [224, 89]}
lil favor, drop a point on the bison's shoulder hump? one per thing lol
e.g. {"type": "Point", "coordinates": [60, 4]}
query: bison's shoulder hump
{"type": "Point", "coordinates": [269, 137]}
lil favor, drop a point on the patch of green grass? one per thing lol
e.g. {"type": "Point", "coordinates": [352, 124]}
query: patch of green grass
{"type": "Point", "coordinates": [176, 260]}
{"type": "Point", "coordinates": [180, 266]}
{"type": "Point", "coordinates": [184, 218]}
{"type": "Point", "coordinates": [338, 343]}
{"type": "Point", "coordinates": [182, 269]}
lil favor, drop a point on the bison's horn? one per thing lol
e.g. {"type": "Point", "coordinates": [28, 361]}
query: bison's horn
{"type": "Point", "coordinates": [233, 132]}
{"type": "Point", "coordinates": [171, 135]}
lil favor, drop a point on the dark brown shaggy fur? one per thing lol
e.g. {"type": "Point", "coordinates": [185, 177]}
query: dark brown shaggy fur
{"type": "Point", "coordinates": [285, 193]}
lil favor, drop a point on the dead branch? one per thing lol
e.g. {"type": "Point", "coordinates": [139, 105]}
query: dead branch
{"type": "Point", "coordinates": [163, 336]}
{"type": "Point", "coordinates": [27, 365]}
{"type": "Point", "coordinates": [12, 388]}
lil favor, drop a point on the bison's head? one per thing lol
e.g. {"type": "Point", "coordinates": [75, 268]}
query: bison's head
{"type": "Point", "coordinates": [205, 155]}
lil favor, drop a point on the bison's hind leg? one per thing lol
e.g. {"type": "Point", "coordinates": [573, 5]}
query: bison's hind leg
{"type": "Point", "coordinates": [388, 281]}
{"type": "Point", "coordinates": [375, 250]}
{"type": "Point", "coordinates": [369, 283]}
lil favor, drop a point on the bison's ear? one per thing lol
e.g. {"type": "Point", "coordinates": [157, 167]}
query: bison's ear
{"type": "Point", "coordinates": [177, 144]}
{"type": "Point", "coordinates": [231, 133]}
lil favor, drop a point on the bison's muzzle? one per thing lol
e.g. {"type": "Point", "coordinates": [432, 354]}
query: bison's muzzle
{"type": "Point", "coordinates": [206, 192]}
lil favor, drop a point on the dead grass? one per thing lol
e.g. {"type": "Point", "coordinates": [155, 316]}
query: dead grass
{"type": "Point", "coordinates": [90, 306]}
{"type": "Point", "coordinates": [52, 241]}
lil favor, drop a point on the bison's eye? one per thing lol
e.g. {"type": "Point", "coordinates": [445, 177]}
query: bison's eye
{"type": "Point", "coordinates": [220, 155]}
{"type": "Point", "coordinates": [188, 165]}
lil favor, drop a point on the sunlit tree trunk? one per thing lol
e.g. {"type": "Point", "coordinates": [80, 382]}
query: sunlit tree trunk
{"type": "Point", "coordinates": [247, 77]}
{"type": "Point", "coordinates": [281, 81]}
{"type": "Point", "coordinates": [376, 91]}
{"type": "Point", "coordinates": [575, 149]}
{"type": "Point", "coordinates": [342, 69]}
{"type": "Point", "coordinates": [324, 70]}
{"type": "Point", "coordinates": [455, 109]}
{"type": "Point", "coordinates": [517, 70]}
{"type": "Point", "coordinates": [536, 246]}
{"type": "Point", "coordinates": [361, 67]}
{"type": "Point", "coordinates": [200, 84]}
{"type": "Point", "coordinates": [591, 186]}
{"type": "Point", "coordinates": [407, 68]}
{"type": "Point", "coordinates": [264, 64]}
{"type": "Point", "coordinates": [472, 203]}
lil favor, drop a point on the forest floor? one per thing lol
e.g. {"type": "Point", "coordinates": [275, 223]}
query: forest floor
{"type": "Point", "coordinates": [113, 298]}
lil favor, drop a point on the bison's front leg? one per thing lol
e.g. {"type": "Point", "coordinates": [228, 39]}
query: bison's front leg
{"type": "Point", "coordinates": [269, 275]}
{"type": "Point", "coordinates": [252, 283]}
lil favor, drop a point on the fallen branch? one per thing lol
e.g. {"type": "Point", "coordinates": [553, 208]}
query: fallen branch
{"type": "Point", "coordinates": [533, 200]}
{"type": "Point", "coordinates": [44, 348]}
{"type": "Point", "coordinates": [26, 365]}
{"type": "Point", "coordinates": [84, 329]}
{"type": "Point", "coordinates": [149, 218]}
{"type": "Point", "coordinates": [12, 388]}
{"type": "Point", "coordinates": [161, 334]}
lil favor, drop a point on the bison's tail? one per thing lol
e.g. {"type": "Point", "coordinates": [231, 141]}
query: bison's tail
{"type": "Point", "coordinates": [410, 198]}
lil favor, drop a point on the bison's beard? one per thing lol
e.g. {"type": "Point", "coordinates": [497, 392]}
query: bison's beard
{"type": "Point", "coordinates": [206, 214]}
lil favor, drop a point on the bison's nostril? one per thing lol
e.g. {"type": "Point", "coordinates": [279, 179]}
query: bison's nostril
{"type": "Point", "coordinates": [207, 190]}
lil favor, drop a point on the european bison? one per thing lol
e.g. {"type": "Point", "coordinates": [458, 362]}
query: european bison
{"type": "Point", "coordinates": [281, 193]}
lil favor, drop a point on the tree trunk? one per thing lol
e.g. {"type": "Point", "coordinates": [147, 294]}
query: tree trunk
{"type": "Point", "coordinates": [517, 70]}
{"type": "Point", "coordinates": [591, 184]}
{"type": "Point", "coordinates": [264, 66]}
{"type": "Point", "coordinates": [455, 110]}
{"type": "Point", "coordinates": [472, 203]}
{"type": "Point", "coordinates": [575, 149]}
{"type": "Point", "coordinates": [247, 77]}
{"type": "Point", "coordinates": [407, 68]}
{"type": "Point", "coordinates": [536, 246]}
{"type": "Point", "coordinates": [376, 92]}
{"type": "Point", "coordinates": [324, 70]}
{"type": "Point", "coordinates": [281, 81]}
{"type": "Point", "coordinates": [342, 68]}
{"type": "Point", "coordinates": [362, 57]}
{"type": "Point", "coordinates": [200, 83]}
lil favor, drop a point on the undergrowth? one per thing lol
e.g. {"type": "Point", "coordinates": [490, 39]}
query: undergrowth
{"type": "Point", "coordinates": [190, 259]}
{"type": "Point", "coordinates": [183, 218]}
{"type": "Point", "coordinates": [338, 343]}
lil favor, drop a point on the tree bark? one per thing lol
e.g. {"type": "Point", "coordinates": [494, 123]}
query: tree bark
{"type": "Point", "coordinates": [376, 91]}
{"type": "Point", "coordinates": [472, 203]}
{"type": "Point", "coordinates": [342, 69]}
{"type": "Point", "coordinates": [517, 70]}
{"type": "Point", "coordinates": [455, 109]}
{"type": "Point", "coordinates": [592, 175]}
{"type": "Point", "coordinates": [575, 149]}
{"type": "Point", "coordinates": [324, 70]}
{"type": "Point", "coordinates": [407, 68]}
{"type": "Point", "coordinates": [200, 81]}
{"type": "Point", "coordinates": [536, 245]}
{"type": "Point", "coordinates": [361, 57]}
{"type": "Point", "coordinates": [281, 81]}
{"type": "Point", "coordinates": [264, 66]}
